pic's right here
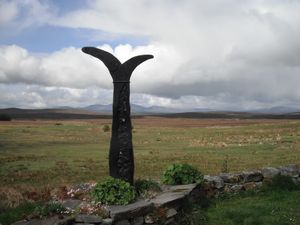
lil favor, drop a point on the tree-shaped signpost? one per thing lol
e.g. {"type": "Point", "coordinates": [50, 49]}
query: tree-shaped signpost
{"type": "Point", "coordinates": [121, 161]}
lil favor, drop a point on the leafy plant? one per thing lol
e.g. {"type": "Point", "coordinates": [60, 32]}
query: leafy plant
{"type": "Point", "coordinates": [225, 165]}
{"type": "Point", "coordinates": [114, 192]}
{"type": "Point", "coordinates": [181, 174]}
{"type": "Point", "coordinates": [147, 188]}
{"type": "Point", "coordinates": [281, 182]}
{"type": "Point", "coordinates": [48, 209]}
{"type": "Point", "coordinates": [106, 128]}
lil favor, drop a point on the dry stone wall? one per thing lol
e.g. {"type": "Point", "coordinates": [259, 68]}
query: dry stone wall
{"type": "Point", "coordinates": [246, 180]}
{"type": "Point", "coordinates": [164, 208]}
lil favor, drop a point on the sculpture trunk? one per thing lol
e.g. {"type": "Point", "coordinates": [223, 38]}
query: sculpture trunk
{"type": "Point", "coordinates": [121, 161]}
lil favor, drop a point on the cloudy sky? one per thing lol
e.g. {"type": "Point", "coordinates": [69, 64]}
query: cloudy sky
{"type": "Point", "coordinates": [218, 54]}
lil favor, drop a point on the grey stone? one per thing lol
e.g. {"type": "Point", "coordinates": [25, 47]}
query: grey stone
{"type": "Point", "coordinates": [170, 221]}
{"type": "Point", "coordinates": [149, 219]}
{"type": "Point", "coordinates": [107, 221]}
{"type": "Point", "coordinates": [133, 210]}
{"type": "Point", "coordinates": [88, 219]}
{"type": "Point", "coordinates": [249, 186]}
{"type": "Point", "coordinates": [138, 221]}
{"type": "Point", "coordinates": [290, 170]}
{"type": "Point", "coordinates": [66, 221]}
{"type": "Point", "coordinates": [122, 222]}
{"type": "Point", "coordinates": [259, 184]}
{"type": "Point", "coordinates": [171, 212]}
{"type": "Point", "coordinates": [236, 188]}
{"type": "Point", "coordinates": [252, 176]}
{"type": "Point", "coordinates": [169, 199]}
{"type": "Point", "coordinates": [72, 204]}
{"type": "Point", "coordinates": [186, 188]}
{"type": "Point", "coordinates": [231, 178]}
{"type": "Point", "coordinates": [269, 172]}
{"type": "Point", "coordinates": [214, 181]}
{"type": "Point", "coordinates": [21, 222]}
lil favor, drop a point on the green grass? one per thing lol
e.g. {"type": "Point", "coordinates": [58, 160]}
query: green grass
{"type": "Point", "coordinates": [267, 208]}
{"type": "Point", "coordinates": [9, 216]}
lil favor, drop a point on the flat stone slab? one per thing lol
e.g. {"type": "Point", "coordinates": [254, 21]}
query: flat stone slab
{"type": "Point", "coordinates": [72, 204]}
{"type": "Point", "coordinates": [133, 210]}
{"type": "Point", "coordinates": [186, 188]}
{"type": "Point", "coordinates": [173, 195]}
{"type": "Point", "coordinates": [168, 199]}
{"type": "Point", "coordinates": [82, 218]}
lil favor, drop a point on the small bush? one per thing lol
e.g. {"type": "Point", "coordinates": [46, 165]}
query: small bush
{"type": "Point", "coordinates": [281, 182]}
{"type": "Point", "coordinates": [106, 128]}
{"type": "Point", "coordinates": [49, 209]}
{"type": "Point", "coordinates": [5, 117]}
{"type": "Point", "coordinates": [114, 192]}
{"type": "Point", "coordinates": [181, 174]}
{"type": "Point", "coordinates": [147, 188]}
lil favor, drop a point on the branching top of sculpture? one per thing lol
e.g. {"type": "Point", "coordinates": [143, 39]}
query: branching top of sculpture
{"type": "Point", "coordinates": [118, 71]}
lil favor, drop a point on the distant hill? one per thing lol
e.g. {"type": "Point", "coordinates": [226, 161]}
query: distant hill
{"type": "Point", "coordinates": [277, 110]}
{"type": "Point", "coordinates": [71, 113]}
{"type": "Point", "coordinates": [105, 111]}
{"type": "Point", "coordinates": [141, 110]}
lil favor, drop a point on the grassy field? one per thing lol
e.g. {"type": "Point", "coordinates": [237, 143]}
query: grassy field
{"type": "Point", "coordinates": [39, 155]}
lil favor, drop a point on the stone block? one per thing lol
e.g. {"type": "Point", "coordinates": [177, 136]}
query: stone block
{"type": "Point", "coordinates": [252, 176]}
{"type": "Point", "coordinates": [269, 172]}
{"type": "Point", "coordinates": [236, 188]}
{"type": "Point", "coordinates": [82, 218]}
{"type": "Point", "coordinates": [214, 181]}
{"type": "Point", "coordinates": [133, 210]}
{"type": "Point", "coordinates": [249, 186]}
{"type": "Point", "coordinates": [107, 221]}
{"type": "Point", "coordinates": [171, 212]}
{"type": "Point", "coordinates": [122, 222]}
{"type": "Point", "coordinates": [149, 219]}
{"type": "Point", "coordinates": [231, 178]}
{"type": "Point", "coordinates": [290, 170]}
{"type": "Point", "coordinates": [138, 221]}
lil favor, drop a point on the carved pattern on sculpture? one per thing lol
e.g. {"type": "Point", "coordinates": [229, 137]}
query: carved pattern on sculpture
{"type": "Point", "coordinates": [125, 161]}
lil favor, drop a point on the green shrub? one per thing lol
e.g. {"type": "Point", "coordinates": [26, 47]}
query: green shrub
{"type": "Point", "coordinates": [181, 174]}
{"type": "Point", "coordinates": [5, 117]}
{"type": "Point", "coordinates": [281, 182]}
{"type": "Point", "coordinates": [106, 128]}
{"type": "Point", "coordinates": [113, 192]}
{"type": "Point", "coordinates": [143, 186]}
{"type": "Point", "coordinates": [49, 209]}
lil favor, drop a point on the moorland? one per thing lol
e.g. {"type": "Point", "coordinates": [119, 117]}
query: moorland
{"type": "Point", "coordinates": [38, 155]}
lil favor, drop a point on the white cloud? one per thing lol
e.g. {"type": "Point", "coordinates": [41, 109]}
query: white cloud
{"type": "Point", "coordinates": [235, 54]}
{"type": "Point", "coordinates": [8, 11]}
{"type": "Point", "coordinates": [16, 15]}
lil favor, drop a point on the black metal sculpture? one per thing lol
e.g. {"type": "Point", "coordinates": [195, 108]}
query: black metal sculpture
{"type": "Point", "coordinates": [121, 162]}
